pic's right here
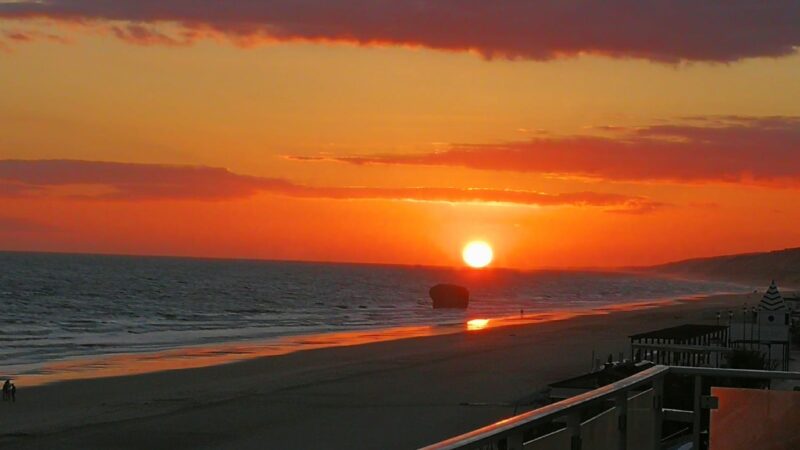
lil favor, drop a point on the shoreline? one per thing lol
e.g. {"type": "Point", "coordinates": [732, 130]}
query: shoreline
{"type": "Point", "coordinates": [338, 397]}
{"type": "Point", "coordinates": [228, 352]}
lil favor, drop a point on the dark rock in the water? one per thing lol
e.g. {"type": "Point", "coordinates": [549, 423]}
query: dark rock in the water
{"type": "Point", "coordinates": [449, 296]}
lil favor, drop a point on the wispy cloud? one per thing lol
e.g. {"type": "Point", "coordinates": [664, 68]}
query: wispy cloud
{"type": "Point", "coordinates": [11, 36]}
{"type": "Point", "coordinates": [662, 30]}
{"type": "Point", "coordinates": [133, 181]}
{"type": "Point", "coordinates": [759, 151]}
{"type": "Point", "coordinates": [21, 225]}
{"type": "Point", "coordinates": [129, 181]}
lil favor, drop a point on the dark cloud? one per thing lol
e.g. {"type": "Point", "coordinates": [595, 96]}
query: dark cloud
{"type": "Point", "coordinates": [129, 181]}
{"type": "Point", "coordinates": [662, 30]}
{"type": "Point", "coordinates": [761, 151]}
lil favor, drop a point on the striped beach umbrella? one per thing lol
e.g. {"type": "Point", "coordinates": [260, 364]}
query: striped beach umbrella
{"type": "Point", "coordinates": [772, 300]}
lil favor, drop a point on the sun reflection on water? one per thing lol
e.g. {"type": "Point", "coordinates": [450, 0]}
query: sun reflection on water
{"type": "Point", "coordinates": [215, 354]}
{"type": "Point", "coordinates": [477, 324]}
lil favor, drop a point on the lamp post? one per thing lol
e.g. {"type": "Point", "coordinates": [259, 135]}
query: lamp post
{"type": "Point", "coordinates": [744, 324]}
{"type": "Point", "coordinates": [752, 324]}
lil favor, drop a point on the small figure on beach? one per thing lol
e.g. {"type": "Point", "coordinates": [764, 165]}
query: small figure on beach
{"type": "Point", "coordinates": [7, 390]}
{"type": "Point", "coordinates": [521, 314]}
{"type": "Point", "coordinates": [13, 390]}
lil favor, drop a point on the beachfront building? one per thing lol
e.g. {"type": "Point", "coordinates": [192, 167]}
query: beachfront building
{"type": "Point", "coordinates": [792, 300]}
{"type": "Point", "coordinates": [766, 329]}
{"type": "Point", "coordinates": [685, 401]}
{"type": "Point", "coordinates": [683, 345]}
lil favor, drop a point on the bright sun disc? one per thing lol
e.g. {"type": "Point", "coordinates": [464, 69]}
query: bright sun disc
{"type": "Point", "coordinates": [477, 254]}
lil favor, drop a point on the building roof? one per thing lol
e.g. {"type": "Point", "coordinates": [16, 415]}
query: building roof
{"type": "Point", "coordinates": [680, 332]}
{"type": "Point", "coordinates": [772, 300]}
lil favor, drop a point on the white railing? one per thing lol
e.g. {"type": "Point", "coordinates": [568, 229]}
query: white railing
{"type": "Point", "coordinates": [510, 434]}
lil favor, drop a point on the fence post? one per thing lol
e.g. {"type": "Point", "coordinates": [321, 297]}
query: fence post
{"type": "Point", "coordinates": [621, 405]}
{"type": "Point", "coordinates": [658, 410]}
{"type": "Point", "coordinates": [515, 440]}
{"type": "Point", "coordinates": [574, 429]}
{"type": "Point", "coordinates": [698, 392]}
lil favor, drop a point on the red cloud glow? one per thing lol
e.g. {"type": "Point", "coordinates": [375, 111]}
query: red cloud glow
{"type": "Point", "coordinates": [130, 181]}
{"type": "Point", "coordinates": [764, 151]}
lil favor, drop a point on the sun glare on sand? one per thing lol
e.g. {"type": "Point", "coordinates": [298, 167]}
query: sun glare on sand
{"type": "Point", "coordinates": [477, 254]}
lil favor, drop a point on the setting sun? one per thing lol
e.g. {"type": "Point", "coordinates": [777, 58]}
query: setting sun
{"type": "Point", "coordinates": [477, 254]}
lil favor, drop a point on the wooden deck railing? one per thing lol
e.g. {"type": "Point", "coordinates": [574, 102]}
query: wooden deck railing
{"type": "Point", "coordinates": [510, 434]}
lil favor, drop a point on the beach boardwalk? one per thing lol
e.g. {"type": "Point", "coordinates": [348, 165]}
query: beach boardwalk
{"type": "Point", "coordinates": [695, 345]}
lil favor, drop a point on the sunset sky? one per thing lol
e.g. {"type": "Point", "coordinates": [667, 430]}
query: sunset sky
{"type": "Point", "coordinates": [566, 134]}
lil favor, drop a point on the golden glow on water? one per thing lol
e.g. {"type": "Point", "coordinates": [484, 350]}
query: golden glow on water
{"type": "Point", "coordinates": [204, 356]}
{"type": "Point", "coordinates": [477, 324]}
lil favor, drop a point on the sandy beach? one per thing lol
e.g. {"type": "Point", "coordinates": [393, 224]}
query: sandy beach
{"type": "Point", "coordinates": [398, 394]}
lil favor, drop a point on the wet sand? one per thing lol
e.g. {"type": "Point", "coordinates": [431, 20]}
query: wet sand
{"type": "Point", "coordinates": [396, 394]}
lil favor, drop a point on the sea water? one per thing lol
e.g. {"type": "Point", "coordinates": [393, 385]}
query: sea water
{"type": "Point", "coordinates": [59, 306]}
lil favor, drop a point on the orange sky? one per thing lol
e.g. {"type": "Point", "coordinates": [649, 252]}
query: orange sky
{"type": "Point", "coordinates": [217, 138]}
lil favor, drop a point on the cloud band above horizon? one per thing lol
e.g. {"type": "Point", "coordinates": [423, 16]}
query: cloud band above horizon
{"type": "Point", "coordinates": [133, 181]}
{"type": "Point", "coordinates": [658, 30]}
{"type": "Point", "coordinates": [741, 150]}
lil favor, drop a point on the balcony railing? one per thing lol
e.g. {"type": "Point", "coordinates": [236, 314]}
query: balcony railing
{"type": "Point", "coordinates": [633, 420]}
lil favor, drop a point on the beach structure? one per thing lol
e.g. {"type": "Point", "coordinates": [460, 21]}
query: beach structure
{"type": "Point", "coordinates": [449, 296]}
{"type": "Point", "coordinates": [792, 300]}
{"type": "Point", "coordinates": [635, 414]}
{"type": "Point", "coordinates": [766, 329]}
{"type": "Point", "coordinates": [609, 373]}
{"type": "Point", "coordinates": [686, 401]}
{"type": "Point", "coordinates": [683, 345]}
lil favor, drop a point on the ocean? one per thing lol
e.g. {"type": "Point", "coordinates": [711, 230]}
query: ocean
{"type": "Point", "coordinates": [58, 307]}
